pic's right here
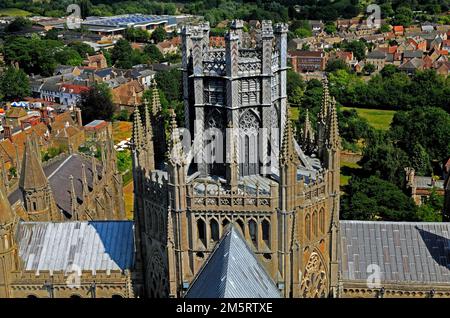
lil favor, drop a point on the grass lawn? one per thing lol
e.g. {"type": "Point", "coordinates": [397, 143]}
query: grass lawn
{"type": "Point", "coordinates": [346, 168]}
{"type": "Point", "coordinates": [377, 118]}
{"type": "Point", "coordinates": [121, 130]}
{"type": "Point", "coordinates": [129, 200]}
{"type": "Point", "coordinates": [13, 12]}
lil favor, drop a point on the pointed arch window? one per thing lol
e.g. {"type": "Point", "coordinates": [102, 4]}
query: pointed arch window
{"type": "Point", "coordinates": [315, 225]}
{"type": "Point", "coordinates": [322, 220]}
{"type": "Point", "coordinates": [241, 225]}
{"type": "Point", "coordinates": [214, 228]}
{"type": "Point", "coordinates": [308, 226]}
{"type": "Point", "coordinates": [265, 226]}
{"type": "Point", "coordinates": [253, 231]}
{"type": "Point", "coordinates": [201, 231]}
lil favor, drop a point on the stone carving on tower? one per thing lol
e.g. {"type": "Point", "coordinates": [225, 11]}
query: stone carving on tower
{"type": "Point", "coordinates": [243, 166]}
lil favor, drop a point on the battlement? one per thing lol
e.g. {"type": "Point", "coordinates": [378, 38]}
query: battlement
{"type": "Point", "coordinates": [62, 276]}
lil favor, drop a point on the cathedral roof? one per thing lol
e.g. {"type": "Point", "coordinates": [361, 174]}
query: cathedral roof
{"type": "Point", "coordinates": [92, 246]}
{"type": "Point", "coordinates": [58, 173]}
{"type": "Point", "coordinates": [406, 252]}
{"type": "Point", "coordinates": [232, 271]}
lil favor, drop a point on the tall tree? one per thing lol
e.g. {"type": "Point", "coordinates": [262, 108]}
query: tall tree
{"type": "Point", "coordinates": [159, 34]}
{"type": "Point", "coordinates": [96, 103]}
{"type": "Point", "coordinates": [14, 84]}
{"type": "Point", "coordinates": [121, 54]}
{"type": "Point", "coordinates": [376, 199]}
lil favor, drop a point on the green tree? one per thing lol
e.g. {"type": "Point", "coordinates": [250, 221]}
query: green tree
{"type": "Point", "coordinates": [14, 84]}
{"type": "Point", "coordinates": [96, 103]}
{"type": "Point", "coordinates": [159, 34]}
{"type": "Point", "coordinates": [429, 128]}
{"type": "Point", "coordinates": [124, 162]}
{"type": "Point", "coordinates": [403, 16]}
{"type": "Point", "coordinates": [139, 35]}
{"type": "Point", "coordinates": [52, 34]}
{"type": "Point", "coordinates": [385, 28]}
{"type": "Point", "coordinates": [336, 64]}
{"type": "Point", "coordinates": [82, 48]}
{"type": "Point", "coordinates": [19, 24]}
{"type": "Point", "coordinates": [389, 70]}
{"type": "Point", "coordinates": [369, 68]}
{"type": "Point", "coordinates": [375, 199]}
{"type": "Point", "coordinates": [330, 28]}
{"type": "Point", "coordinates": [431, 209]}
{"type": "Point", "coordinates": [382, 158]}
{"type": "Point", "coordinates": [357, 47]}
{"type": "Point", "coordinates": [121, 54]}
{"type": "Point", "coordinates": [169, 82]}
{"type": "Point", "coordinates": [68, 56]}
{"type": "Point", "coordinates": [153, 53]}
{"type": "Point", "coordinates": [293, 81]}
{"type": "Point", "coordinates": [303, 33]}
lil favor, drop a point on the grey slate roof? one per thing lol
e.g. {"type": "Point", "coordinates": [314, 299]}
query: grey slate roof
{"type": "Point", "coordinates": [58, 173]}
{"type": "Point", "coordinates": [92, 246]}
{"type": "Point", "coordinates": [425, 182]}
{"type": "Point", "coordinates": [376, 55]}
{"type": "Point", "coordinates": [232, 271]}
{"type": "Point", "coordinates": [407, 252]}
{"type": "Point", "coordinates": [413, 54]}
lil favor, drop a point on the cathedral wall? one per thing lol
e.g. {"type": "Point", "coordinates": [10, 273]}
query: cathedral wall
{"type": "Point", "coordinates": [113, 284]}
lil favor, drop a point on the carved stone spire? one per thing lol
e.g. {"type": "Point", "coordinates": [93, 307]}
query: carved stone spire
{"type": "Point", "coordinates": [333, 137]}
{"type": "Point", "coordinates": [18, 163]}
{"type": "Point", "coordinates": [150, 155]}
{"type": "Point", "coordinates": [32, 176]}
{"type": "Point", "coordinates": [104, 161]}
{"type": "Point", "coordinates": [323, 114]}
{"type": "Point", "coordinates": [156, 103]}
{"type": "Point", "coordinates": [73, 199]}
{"type": "Point", "coordinates": [176, 155]}
{"type": "Point", "coordinates": [84, 181]}
{"type": "Point", "coordinates": [94, 171]}
{"type": "Point", "coordinates": [137, 129]}
{"type": "Point", "coordinates": [288, 152]}
{"type": "Point", "coordinates": [308, 133]}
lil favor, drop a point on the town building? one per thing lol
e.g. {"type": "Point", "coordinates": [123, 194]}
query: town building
{"type": "Point", "coordinates": [308, 61]}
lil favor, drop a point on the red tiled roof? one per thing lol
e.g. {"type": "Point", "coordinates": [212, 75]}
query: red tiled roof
{"type": "Point", "coordinates": [217, 41]}
{"type": "Point", "coordinates": [75, 89]}
{"type": "Point", "coordinates": [398, 28]}
{"type": "Point", "coordinates": [306, 53]}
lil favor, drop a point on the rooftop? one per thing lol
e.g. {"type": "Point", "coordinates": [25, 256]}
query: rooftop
{"type": "Point", "coordinates": [92, 246]}
{"type": "Point", "coordinates": [406, 252]}
{"type": "Point", "coordinates": [232, 271]}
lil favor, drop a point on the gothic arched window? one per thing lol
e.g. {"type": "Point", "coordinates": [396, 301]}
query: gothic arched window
{"type": "Point", "coordinates": [308, 226]}
{"type": "Point", "coordinates": [225, 223]}
{"type": "Point", "coordinates": [315, 223]}
{"type": "Point", "coordinates": [201, 231]}
{"type": "Point", "coordinates": [265, 226]}
{"type": "Point", "coordinates": [322, 220]}
{"type": "Point", "coordinates": [241, 225]}
{"type": "Point", "coordinates": [253, 231]}
{"type": "Point", "coordinates": [214, 228]}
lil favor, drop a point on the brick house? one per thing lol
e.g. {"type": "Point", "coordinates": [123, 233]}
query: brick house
{"type": "Point", "coordinates": [308, 61]}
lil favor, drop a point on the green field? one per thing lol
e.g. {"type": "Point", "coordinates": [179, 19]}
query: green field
{"type": "Point", "coordinates": [13, 12]}
{"type": "Point", "coordinates": [377, 118]}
